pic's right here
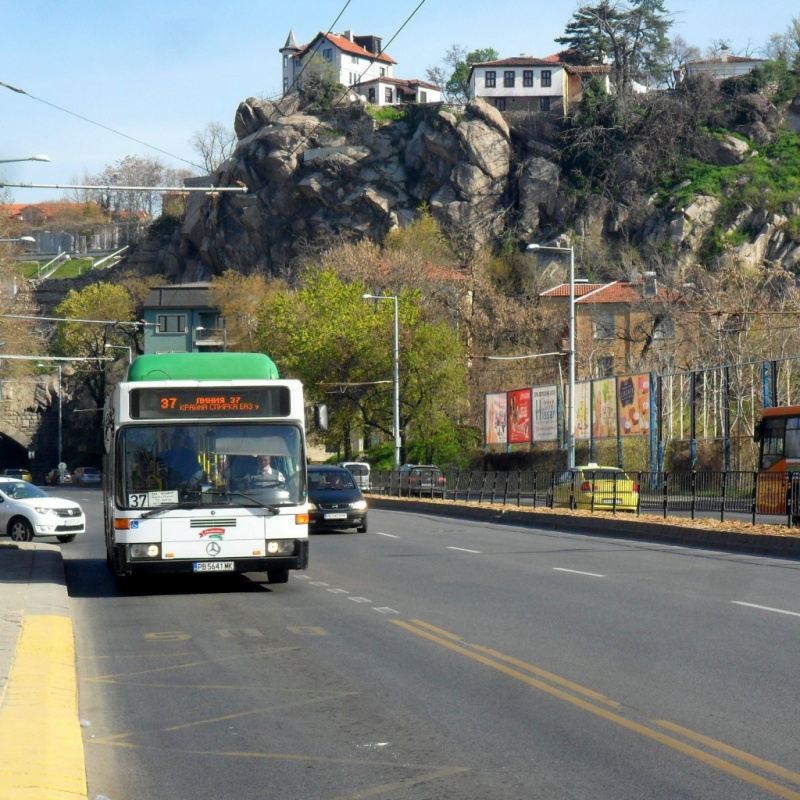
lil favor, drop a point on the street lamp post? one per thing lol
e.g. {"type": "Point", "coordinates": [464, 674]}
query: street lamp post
{"type": "Point", "coordinates": [396, 376]}
{"type": "Point", "coordinates": [27, 158]}
{"type": "Point", "coordinates": [571, 368]}
{"type": "Point", "coordinates": [26, 239]}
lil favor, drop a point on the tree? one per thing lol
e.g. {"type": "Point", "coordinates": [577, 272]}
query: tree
{"type": "Point", "coordinates": [133, 171]}
{"type": "Point", "coordinates": [785, 46]}
{"type": "Point", "coordinates": [341, 347]}
{"type": "Point", "coordinates": [675, 56]}
{"type": "Point", "coordinates": [453, 74]}
{"type": "Point", "coordinates": [214, 144]}
{"type": "Point", "coordinates": [318, 83]}
{"type": "Point", "coordinates": [633, 35]}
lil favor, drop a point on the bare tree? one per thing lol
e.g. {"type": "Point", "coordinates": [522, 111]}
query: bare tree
{"type": "Point", "coordinates": [676, 56]}
{"type": "Point", "coordinates": [214, 144]}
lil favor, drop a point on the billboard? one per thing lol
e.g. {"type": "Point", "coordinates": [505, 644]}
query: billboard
{"type": "Point", "coordinates": [545, 413]}
{"type": "Point", "coordinates": [633, 395]}
{"type": "Point", "coordinates": [604, 410]}
{"type": "Point", "coordinates": [519, 416]}
{"type": "Point", "coordinates": [583, 407]}
{"type": "Point", "coordinates": [496, 424]}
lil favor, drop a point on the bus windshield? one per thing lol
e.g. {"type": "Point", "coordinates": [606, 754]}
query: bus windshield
{"type": "Point", "coordinates": [245, 464]}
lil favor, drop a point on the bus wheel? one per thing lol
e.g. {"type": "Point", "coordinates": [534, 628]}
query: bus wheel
{"type": "Point", "coordinates": [66, 538]}
{"type": "Point", "coordinates": [278, 575]}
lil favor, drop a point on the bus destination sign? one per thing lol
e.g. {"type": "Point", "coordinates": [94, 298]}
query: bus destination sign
{"type": "Point", "coordinates": [213, 402]}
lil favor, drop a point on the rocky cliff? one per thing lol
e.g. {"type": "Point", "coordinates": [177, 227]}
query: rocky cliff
{"type": "Point", "coordinates": [313, 178]}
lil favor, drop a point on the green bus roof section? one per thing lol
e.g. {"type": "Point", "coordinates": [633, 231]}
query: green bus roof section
{"type": "Point", "coordinates": [203, 367]}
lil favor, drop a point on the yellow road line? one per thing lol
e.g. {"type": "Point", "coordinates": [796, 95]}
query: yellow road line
{"type": "Point", "coordinates": [40, 730]}
{"type": "Point", "coordinates": [575, 687]}
{"type": "Point", "coordinates": [706, 758]}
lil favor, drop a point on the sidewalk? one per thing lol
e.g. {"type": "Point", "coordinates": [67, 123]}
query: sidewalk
{"type": "Point", "coordinates": [39, 726]}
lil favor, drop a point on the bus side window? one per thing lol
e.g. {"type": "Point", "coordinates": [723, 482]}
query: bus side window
{"type": "Point", "coordinates": [791, 448]}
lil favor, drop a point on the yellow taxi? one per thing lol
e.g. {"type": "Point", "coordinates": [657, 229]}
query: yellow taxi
{"type": "Point", "coordinates": [596, 488]}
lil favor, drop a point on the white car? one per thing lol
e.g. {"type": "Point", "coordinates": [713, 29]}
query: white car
{"type": "Point", "coordinates": [27, 511]}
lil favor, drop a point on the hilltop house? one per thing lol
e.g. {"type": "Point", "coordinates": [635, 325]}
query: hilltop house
{"type": "Point", "coordinates": [357, 62]}
{"type": "Point", "coordinates": [524, 83]}
{"type": "Point", "coordinates": [718, 68]}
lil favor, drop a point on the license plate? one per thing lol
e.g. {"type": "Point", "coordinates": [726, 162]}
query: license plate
{"type": "Point", "coordinates": [213, 566]}
{"type": "Point", "coordinates": [338, 515]}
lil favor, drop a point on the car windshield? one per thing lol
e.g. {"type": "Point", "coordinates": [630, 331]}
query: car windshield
{"type": "Point", "coordinates": [252, 464]}
{"type": "Point", "coordinates": [330, 479]}
{"type": "Point", "coordinates": [21, 490]}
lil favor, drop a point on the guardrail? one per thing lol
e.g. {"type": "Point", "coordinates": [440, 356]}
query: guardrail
{"type": "Point", "coordinates": [719, 494]}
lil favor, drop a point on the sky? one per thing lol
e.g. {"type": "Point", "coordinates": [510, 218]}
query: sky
{"type": "Point", "coordinates": [160, 70]}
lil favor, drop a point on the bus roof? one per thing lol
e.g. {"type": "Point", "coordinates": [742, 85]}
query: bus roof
{"type": "Point", "coordinates": [782, 411]}
{"type": "Point", "coordinates": [203, 367]}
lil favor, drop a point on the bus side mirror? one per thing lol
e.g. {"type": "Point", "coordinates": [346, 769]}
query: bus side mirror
{"type": "Point", "coordinates": [321, 417]}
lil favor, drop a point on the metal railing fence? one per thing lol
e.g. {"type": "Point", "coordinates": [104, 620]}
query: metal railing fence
{"type": "Point", "coordinates": [757, 497]}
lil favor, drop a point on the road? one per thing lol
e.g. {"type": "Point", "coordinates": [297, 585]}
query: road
{"type": "Point", "coordinates": [444, 659]}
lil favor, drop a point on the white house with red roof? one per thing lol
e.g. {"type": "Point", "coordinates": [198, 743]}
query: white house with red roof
{"type": "Point", "coordinates": [524, 83]}
{"type": "Point", "coordinates": [358, 63]}
{"type": "Point", "coordinates": [718, 68]}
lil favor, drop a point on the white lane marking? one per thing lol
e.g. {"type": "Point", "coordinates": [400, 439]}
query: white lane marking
{"type": "Point", "coordinates": [576, 572]}
{"type": "Point", "coordinates": [766, 608]}
{"type": "Point", "coordinates": [359, 599]}
{"type": "Point", "coordinates": [319, 583]}
{"type": "Point", "coordinates": [389, 535]}
{"type": "Point", "coordinates": [385, 610]}
{"type": "Point", "coordinates": [464, 550]}
{"type": "Point", "coordinates": [338, 591]}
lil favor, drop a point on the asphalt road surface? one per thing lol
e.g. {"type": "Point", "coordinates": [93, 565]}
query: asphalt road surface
{"type": "Point", "coordinates": [436, 659]}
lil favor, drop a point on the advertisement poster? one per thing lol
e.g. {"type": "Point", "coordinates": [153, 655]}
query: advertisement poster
{"type": "Point", "coordinates": [633, 394]}
{"type": "Point", "coordinates": [583, 404]}
{"type": "Point", "coordinates": [604, 421]}
{"type": "Point", "coordinates": [496, 418]}
{"type": "Point", "coordinates": [545, 413]}
{"type": "Point", "coordinates": [519, 416]}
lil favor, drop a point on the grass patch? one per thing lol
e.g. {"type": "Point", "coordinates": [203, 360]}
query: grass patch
{"type": "Point", "coordinates": [67, 269]}
{"type": "Point", "coordinates": [386, 113]}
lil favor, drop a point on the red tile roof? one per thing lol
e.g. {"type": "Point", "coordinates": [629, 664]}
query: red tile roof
{"type": "Point", "coordinates": [614, 292]}
{"type": "Point", "coordinates": [346, 46]}
{"type": "Point", "coordinates": [580, 289]}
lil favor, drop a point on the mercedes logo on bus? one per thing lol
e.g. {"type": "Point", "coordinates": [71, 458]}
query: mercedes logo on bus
{"type": "Point", "coordinates": [213, 548]}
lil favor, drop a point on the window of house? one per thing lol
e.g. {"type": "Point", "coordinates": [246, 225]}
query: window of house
{"type": "Point", "coordinates": [327, 54]}
{"type": "Point", "coordinates": [382, 71]}
{"type": "Point", "coordinates": [508, 78]}
{"type": "Point", "coordinates": [388, 95]}
{"type": "Point", "coordinates": [371, 94]}
{"type": "Point", "coordinates": [603, 325]}
{"type": "Point", "coordinates": [664, 329]}
{"type": "Point", "coordinates": [423, 97]}
{"type": "Point", "coordinates": [491, 79]}
{"type": "Point", "coordinates": [605, 366]}
{"type": "Point", "coordinates": [544, 104]}
{"type": "Point", "coordinates": [354, 59]}
{"type": "Point", "coordinates": [171, 323]}
{"type": "Point", "coordinates": [296, 62]}
{"type": "Point", "coordinates": [547, 79]}
{"type": "Point", "coordinates": [285, 61]}
{"type": "Point", "coordinates": [527, 77]}
{"type": "Point", "coordinates": [285, 85]}
{"type": "Point", "coordinates": [500, 104]}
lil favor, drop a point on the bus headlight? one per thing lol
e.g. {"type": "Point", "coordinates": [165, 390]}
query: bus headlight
{"type": "Point", "coordinates": [283, 547]}
{"type": "Point", "coordinates": [145, 550]}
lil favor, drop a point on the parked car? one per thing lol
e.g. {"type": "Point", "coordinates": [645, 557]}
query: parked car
{"type": "Point", "coordinates": [360, 472]}
{"type": "Point", "coordinates": [334, 500]}
{"type": "Point", "coordinates": [27, 511]}
{"type": "Point", "coordinates": [21, 474]}
{"type": "Point", "coordinates": [87, 476]}
{"type": "Point", "coordinates": [607, 487]}
{"type": "Point", "coordinates": [57, 478]}
{"type": "Point", "coordinates": [422, 480]}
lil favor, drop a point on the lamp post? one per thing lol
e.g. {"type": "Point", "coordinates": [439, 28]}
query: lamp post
{"type": "Point", "coordinates": [121, 347]}
{"type": "Point", "coordinates": [27, 158]}
{"type": "Point", "coordinates": [571, 368]}
{"type": "Point", "coordinates": [58, 367]}
{"type": "Point", "coordinates": [26, 239]}
{"type": "Point", "coordinates": [396, 376]}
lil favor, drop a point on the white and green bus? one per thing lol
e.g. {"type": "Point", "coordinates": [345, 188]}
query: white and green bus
{"type": "Point", "coordinates": [205, 467]}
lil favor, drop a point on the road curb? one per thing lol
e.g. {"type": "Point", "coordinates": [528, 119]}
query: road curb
{"type": "Point", "coordinates": [40, 728]}
{"type": "Point", "coordinates": [618, 526]}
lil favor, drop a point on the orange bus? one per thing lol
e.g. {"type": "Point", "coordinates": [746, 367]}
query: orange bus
{"type": "Point", "coordinates": [778, 435]}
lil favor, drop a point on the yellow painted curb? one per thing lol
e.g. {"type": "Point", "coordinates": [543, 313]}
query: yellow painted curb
{"type": "Point", "coordinates": [40, 730]}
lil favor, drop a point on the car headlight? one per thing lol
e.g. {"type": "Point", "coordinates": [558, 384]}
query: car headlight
{"type": "Point", "coordinates": [46, 511]}
{"type": "Point", "coordinates": [358, 505]}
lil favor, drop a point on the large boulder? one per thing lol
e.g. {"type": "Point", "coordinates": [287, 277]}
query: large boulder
{"type": "Point", "coordinates": [538, 194]}
{"type": "Point", "coordinates": [485, 148]}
